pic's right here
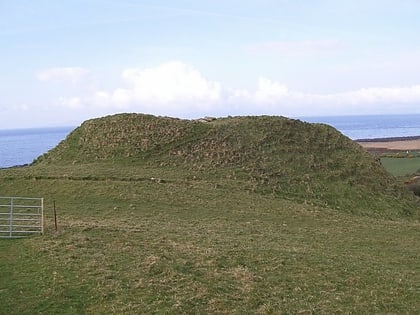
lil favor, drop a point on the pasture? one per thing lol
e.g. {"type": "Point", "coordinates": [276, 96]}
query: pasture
{"type": "Point", "coordinates": [401, 166]}
{"type": "Point", "coordinates": [193, 247]}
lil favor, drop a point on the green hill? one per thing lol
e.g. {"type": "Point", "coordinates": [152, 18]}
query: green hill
{"type": "Point", "coordinates": [311, 163]}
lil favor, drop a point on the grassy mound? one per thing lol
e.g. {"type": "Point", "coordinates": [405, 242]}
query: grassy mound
{"type": "Point", "coordinates": [167, 216]}
{"type": "Point", "coordinates": [311, 163]}
{"type": "Point", "coordinates": [120, 136]}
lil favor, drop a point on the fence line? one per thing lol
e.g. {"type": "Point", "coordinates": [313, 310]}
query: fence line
{"type": "Point", "coordinates": [21, 216]}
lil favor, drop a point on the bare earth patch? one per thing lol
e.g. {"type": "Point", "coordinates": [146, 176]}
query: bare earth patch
{"type": "Point", "coordinates": [392, 144]}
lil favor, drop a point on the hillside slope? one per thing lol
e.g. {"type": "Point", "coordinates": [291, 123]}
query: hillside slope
{"type": "Point", "coordinates": [311, 163]}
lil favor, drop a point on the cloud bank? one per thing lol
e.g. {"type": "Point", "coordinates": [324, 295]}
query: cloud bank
{"type": "Point", "coordinates": [178, 89]}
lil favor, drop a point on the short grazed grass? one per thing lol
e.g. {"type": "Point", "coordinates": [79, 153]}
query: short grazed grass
{"type": "Point", "coordinates": [189, 247]}
{"type": "Point", "coordinates": [401, 166]}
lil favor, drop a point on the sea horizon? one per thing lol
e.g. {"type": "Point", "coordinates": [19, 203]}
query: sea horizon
{"type": "Point", "coordinates": [383, 126]}
{"type": "Point", "coordinates": [308, 118]}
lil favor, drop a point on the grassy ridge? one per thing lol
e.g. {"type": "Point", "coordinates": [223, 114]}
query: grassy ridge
{"type": "Point", "coordinates": [243, 215]}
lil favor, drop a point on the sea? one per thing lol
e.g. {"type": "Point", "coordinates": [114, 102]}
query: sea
{"type": "Point", "coordinates": [372, 126]}
{"type": "Point", "coordinates": [22, 146]}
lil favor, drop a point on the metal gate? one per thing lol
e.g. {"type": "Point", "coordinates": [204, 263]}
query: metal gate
{"type": "Point", "coordinates": [20, 217]}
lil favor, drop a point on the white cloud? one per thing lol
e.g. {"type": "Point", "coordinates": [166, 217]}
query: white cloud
{"type": "Point", "coordinates": [381, 95]}
{"type": "Point", "coordinates": [169, 82]}
{"type": "Point", "coordinates": [72, 102]}
{"type": "Point", "coordinates": [72, 74]}
{"type": "Point", "coordinates": [270, 91]}
{"type": "Point", "coordinates": [170, 88]}
{"type": "Point", "coordinates": [177, 89]}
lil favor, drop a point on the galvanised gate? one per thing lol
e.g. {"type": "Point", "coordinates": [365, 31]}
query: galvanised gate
{"type": "Point", "coordinates": [21, 216]}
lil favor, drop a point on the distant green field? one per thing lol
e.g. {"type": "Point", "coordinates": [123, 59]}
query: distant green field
{"type": "Point", "coordinates": [401, 166]}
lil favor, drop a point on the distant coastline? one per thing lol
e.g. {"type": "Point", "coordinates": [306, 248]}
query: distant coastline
{"type": "Point", "coordinates": [379, 146]}
{"type": "Point", "coordinates": [383, 128]}
{"type": "Point", "coordinates": [389, 139]}
{"type": "Point", "coordinates": [14, 166]}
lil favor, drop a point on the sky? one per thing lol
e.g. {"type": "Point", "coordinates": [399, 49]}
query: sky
{"type": "Point", "coordinates": [62, 62]}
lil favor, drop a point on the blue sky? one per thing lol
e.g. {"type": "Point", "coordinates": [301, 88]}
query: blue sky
{"type": "Point", "coordinates": [63, 62]}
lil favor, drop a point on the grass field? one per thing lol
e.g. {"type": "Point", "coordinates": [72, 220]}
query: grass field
{"type": "Point", "coordinates": [142, 237]}
{"type": "Point", "coordinates": [401, 166]}
{"type": "Point", "coordinates": [196, 246]}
